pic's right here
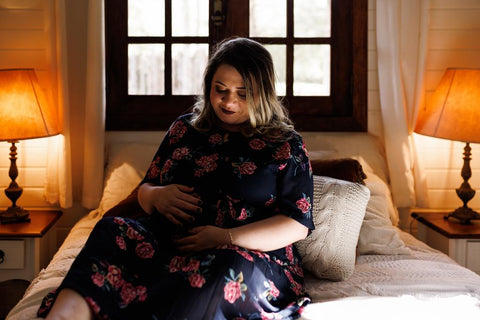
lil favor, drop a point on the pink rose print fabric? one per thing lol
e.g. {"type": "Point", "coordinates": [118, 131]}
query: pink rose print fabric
{"type": "Point", "coordinates": [130, 269]}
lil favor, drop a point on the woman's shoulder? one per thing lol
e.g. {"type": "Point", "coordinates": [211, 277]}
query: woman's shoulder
{"type": "Point", "coordinates": [185, 119]}
{"type": "Point", "coordinates": [294, 136]}
{"type": "Point", "coordinates": [183, 122]}
{"type": "Point", "coordinates": [291, 137]}
{"type": "Point", "coordinates": [180, 128]}
{"type": "Point", "coordinates": [296, 142]}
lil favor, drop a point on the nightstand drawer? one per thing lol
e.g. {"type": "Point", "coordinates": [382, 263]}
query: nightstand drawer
{"type": "Point", "coordinates": [13, 254]}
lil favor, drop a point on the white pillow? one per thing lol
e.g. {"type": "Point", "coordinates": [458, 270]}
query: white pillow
{"type": "Point", "coordinates": [126, 166]}
{"type": "Point", "coordinates": [138, 155]}
{"type": "Point", "coordinates": [378, 185]}
{"type": "Point", "coordinates": [378, 235]}
{"type": "Point", "coordinates": [338, 210]}
{"type": "Point", "coordinates": [119, 184]}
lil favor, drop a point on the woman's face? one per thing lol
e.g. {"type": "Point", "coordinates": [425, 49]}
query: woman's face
{"type": "Point", "coordinates": [228, 97]}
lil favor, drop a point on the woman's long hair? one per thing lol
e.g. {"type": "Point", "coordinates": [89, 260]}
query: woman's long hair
{"type": "Point", "coordinates": [267, 114]}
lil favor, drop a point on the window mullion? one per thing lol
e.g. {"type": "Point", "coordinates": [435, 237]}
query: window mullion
{"type": "Point", "coordinates": [289, 75]}
{"type": "Point", "coordinates": [168, 48]}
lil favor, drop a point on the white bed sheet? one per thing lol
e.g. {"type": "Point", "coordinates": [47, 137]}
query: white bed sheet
{"type": "Point", "coordinates": [423, 285]}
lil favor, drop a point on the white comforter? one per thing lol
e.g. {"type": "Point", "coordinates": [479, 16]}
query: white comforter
{"type": "Point", "coordinates": [424, 285]}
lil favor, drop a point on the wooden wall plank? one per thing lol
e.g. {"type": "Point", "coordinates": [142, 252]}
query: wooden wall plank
{"type": "Point", "coordinates": [27, 177]}
{"type": "Point", "coordinates": [21, 20]}
{"type": "Point", "coordinates": [455, 4]}
{"type": "Point", "coordinates": [21, 4]}
{"type": "Point", "coordinates": [36, 59]}
{"type": "Point", "coordinates": [440, 199]}
{"type": "Point", "coordinates": [442, 59]}
{"type": "Point", "coordinates": [31, 197]}
{"type": "Point", "coordinates": [449, 179]}
{"type": "Point", "coordinates": [453, 40]}
{"type": "Point", "coordinates": [23, 39]}
{"type": "Point", "coordinates": [454, 19]}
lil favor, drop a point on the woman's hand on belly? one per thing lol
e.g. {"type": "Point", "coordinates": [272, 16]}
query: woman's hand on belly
{"type": "Point", "coordinates": [176, 202]}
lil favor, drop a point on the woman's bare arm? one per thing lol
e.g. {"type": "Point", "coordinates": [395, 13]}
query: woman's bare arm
{"type": "Point", "coordinates": [265, 235]}
{"type": "Point", "coordinates": [269, 234]}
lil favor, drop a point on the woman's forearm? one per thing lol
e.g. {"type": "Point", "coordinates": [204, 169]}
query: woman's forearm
{"type": "Point", "coordinates": [268, 234]}
{"type": "Point", "coordinates": [144, 193]}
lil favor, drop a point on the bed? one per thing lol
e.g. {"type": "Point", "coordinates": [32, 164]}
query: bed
{"type": "Point", "coordinates": [358, 263]}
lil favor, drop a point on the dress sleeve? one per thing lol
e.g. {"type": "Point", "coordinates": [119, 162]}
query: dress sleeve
{"type": "Point", "coordinates": [295, 185]}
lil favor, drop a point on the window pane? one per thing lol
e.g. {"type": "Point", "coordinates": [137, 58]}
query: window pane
{"type": "Point", "coordinates": [146, 18]}
{"type": "Point", "coordinates": [311, 70]}
{"type": "Point", "coordinates": [190, 18]}
{"type": "Point", "coordinates": [268, 18]}
{"type": "Point", "coordinates": [188, 63]}
{"type": "Point", "coordinates": [146, 69]}
{"type": "Point", "coordinates": [312, 18]}
{"type": "Point", "coordinates": [279, 56]}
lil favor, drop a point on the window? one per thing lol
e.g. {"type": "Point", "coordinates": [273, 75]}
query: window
{"type": "Point", "coordinates": [156, 51]}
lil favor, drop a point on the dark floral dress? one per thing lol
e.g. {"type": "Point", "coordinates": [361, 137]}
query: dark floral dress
{"type": "Point", "coordinates": [129, 269]}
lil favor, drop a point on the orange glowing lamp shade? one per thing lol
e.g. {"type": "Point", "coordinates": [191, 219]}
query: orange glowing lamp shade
{"type": "Point", "coordinates": [24, 111]}
{"type": "Point", "coordinates": [453, 111]}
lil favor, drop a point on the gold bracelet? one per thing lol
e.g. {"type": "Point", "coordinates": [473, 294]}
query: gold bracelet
{"type": "Point", "coordinates": [230, 236]}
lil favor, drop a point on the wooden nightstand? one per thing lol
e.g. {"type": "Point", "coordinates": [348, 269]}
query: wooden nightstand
{"type": "Point", "coordinates": [28, 246]}
{"type": "Point", "coordinates": [459, 242]}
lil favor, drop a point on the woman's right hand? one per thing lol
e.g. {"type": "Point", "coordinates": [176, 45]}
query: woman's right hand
{"type": "Point", "coordinates": [175, 201]}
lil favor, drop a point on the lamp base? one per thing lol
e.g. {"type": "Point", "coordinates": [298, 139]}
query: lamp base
{"type": "Point", "coordinates": [464, 214]}
{"type": "Point", "coordinates": [14, 214]}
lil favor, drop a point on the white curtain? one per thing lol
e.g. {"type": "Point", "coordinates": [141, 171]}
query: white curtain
{"type": "Point", "coordinates": [402, 27]}
{"type": "Point", "coordinates": [58, 185]}
{"type": "Point", "coordinates": [95, 108]}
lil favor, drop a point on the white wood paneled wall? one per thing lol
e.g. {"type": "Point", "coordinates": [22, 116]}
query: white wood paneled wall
{"type": "Point", "coordinates": [27, 41]}
{"type": "Point", "coordinates": [453, 41]}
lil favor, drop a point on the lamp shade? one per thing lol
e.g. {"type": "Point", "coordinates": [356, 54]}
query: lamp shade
{"type": "Point", "coordinates": [24, 111]}
{"type": "Point", "coordinates": [453, 111]}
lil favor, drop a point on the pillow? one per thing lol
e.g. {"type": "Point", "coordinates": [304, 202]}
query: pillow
{"type": "Point", "coordinates": [344, 169]}
{"type": "Point", "coordinates": [137, 155]}
{"type": "Point", "coordinates": [127, 165]}
{"type": "Point", "coordinates": [378, 235]}
{"type": "Point", "coordinates": [380, 186]}
{"type": "Point", "coordinates": [119, 184]}
{"type": "Point", "coordinates": [338, 210]}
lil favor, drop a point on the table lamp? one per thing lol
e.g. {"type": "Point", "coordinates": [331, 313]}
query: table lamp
{"type": "Point", "coordinates": [24, 114]}
{"type": "Point", "coordinates": [453, 113]}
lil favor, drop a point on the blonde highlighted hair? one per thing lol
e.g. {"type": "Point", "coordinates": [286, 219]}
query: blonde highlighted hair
{"type": "Point", "coordinates": [268, 115]}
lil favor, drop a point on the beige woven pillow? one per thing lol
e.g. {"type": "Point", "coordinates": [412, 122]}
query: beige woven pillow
{"type": "Point", "coordinates": [338, 211]}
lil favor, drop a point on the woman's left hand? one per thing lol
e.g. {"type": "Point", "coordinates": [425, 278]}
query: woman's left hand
{"type": "Point", "coordinates": [203, 238]}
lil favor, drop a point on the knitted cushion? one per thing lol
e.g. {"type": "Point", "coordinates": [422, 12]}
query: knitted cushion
{"type": "Point", "coordinates": [338, 210]}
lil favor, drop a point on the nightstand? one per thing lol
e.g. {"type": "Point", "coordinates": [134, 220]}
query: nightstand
{"type": "Point", "coordinates": [27, 246]}
{"type": "Point", "coordinates": [459, 242]}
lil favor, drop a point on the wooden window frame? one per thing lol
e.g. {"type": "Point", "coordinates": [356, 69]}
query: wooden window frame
{"type": "Point", "coordinates": [344, 110]}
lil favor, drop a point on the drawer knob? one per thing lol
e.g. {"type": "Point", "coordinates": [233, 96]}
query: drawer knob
{"type": "Point", "coordinates": [2, 256]}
